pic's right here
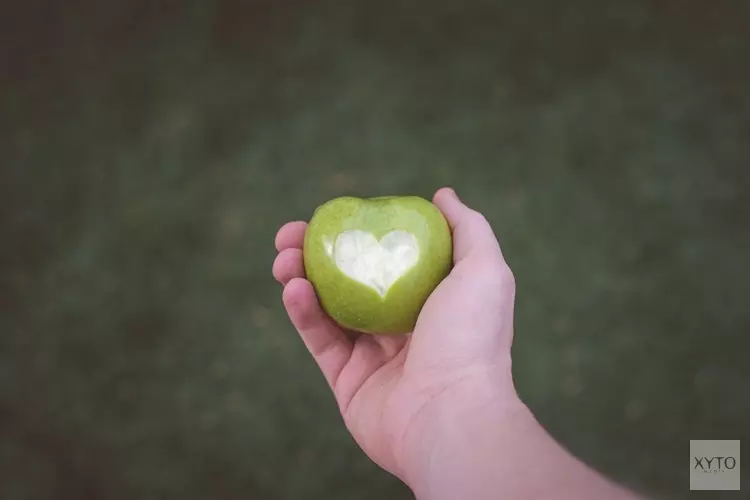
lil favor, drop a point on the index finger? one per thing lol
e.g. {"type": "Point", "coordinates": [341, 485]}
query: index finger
{"type": "Point", "coordinates": [291, 235]}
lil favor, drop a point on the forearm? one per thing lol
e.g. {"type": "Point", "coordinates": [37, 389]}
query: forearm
{"type": "Point", "coordinates": [505, 454]}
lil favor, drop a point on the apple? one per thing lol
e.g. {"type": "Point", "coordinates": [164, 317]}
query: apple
{"type": "Point", "coordinates": [374, 262]}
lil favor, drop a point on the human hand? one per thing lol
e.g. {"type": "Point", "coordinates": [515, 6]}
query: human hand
{"type": "Point", "coordinates": [396, 393]}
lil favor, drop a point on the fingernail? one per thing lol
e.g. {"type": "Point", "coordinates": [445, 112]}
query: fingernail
{"type": "Point", "coordinates": [453, 193]}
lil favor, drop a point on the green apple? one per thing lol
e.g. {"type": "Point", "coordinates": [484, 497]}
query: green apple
{"type": "Point", "coordinates": [373, 262]}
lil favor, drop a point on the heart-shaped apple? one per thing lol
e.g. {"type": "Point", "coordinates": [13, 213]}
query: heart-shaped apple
{"type": "Point", "coordinates": [373, 262]}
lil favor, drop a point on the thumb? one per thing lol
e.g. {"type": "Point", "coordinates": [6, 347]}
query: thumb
{"type": "Point", "coordinates": [472, 233]}
{"type": "Point", "coordinates": [475, 299]}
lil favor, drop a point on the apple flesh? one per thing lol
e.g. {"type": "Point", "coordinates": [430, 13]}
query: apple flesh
{"type": "Point", "coordinates": [374, 262]}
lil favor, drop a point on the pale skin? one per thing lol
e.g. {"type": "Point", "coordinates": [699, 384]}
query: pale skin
{"type": "Point", "coordinates": [438, 408]}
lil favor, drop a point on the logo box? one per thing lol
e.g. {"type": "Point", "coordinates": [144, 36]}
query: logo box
{"type": "Point", "coordinates": [714, 465]}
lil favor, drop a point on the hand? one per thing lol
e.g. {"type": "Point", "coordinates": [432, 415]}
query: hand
{"type": "Point", "coordinates": [393, 391]}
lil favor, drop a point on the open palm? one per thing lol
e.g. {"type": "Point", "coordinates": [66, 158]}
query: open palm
{"type": "Point", "coordinates": [384, 384]}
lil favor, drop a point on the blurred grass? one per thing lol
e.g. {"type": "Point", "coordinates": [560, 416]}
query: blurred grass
{"type": "Point", "coordinates": [151, 149]}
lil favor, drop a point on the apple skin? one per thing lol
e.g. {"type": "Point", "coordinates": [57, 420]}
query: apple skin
{"type": "Point", "coordinates": [355, 305]}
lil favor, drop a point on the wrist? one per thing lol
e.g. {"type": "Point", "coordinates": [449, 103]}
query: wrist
{"type": "Point", "coordinates": [466, 427]}
{"type": "Point", "coordinates": [497, 449]}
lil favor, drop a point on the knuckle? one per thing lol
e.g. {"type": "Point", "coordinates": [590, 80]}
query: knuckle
{"type": "Point", "coordinates": [509, 278]}
{"type": "Point", "coordinates": [478, 218]}
{"type": "Point", "coordinates": [505, 279]}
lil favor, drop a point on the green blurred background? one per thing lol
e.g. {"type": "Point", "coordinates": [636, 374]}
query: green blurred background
{"type": "Point", "coordinates": [150, 150]}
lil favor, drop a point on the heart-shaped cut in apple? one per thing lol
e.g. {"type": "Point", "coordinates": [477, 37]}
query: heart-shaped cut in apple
{"type": "Point", "coordinates": [377, 264]}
